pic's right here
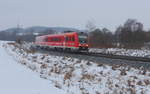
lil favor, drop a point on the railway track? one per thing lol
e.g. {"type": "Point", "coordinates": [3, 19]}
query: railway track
{"type": "Point", "coordinates": [111, 56]}
{"type": "Point", "coordinates": [103, 58]}
{"type": "Point", "coordinates": [130, 58]}
{"type": "Point", "coordinates": [110, 59]}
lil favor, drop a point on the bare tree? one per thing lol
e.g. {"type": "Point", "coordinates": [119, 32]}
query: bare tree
{"type": "Point", "coordinates": [90, 25]}
{"type": "Point", "coordinates": [131, 34]}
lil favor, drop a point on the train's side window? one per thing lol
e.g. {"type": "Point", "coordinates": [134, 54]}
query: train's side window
{"type": "Point", "coordinates": [46, 39]}
{"type": "Point", "coordinates": [73, 38]}
{"type": "Point", "coordinates": [52, 39]}
{"type": "Point", "coordinates": [58, 39]}
{"type": "Point", "coordinates": [70, 38]}
{"type": "Point", "coordinates": [67, 38]}
{"type": "Point", "coordinates": [55, 39]}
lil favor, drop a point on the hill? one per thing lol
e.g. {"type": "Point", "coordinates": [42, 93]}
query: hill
{"type": "Point", "coordinates": [28, 34]}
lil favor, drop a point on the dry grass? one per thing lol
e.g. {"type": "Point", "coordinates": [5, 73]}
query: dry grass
{"type": "Point", "coordinates": [115, 67]}
{"type": "Point", "coordinates": [11, 43]}
{"type": "Point", "coordinates": [88, 77]}
{"type": "Point", "coordinates": [140, 83]}
{"type": "Point", "coordinates": [135, 77]}
{"type": "Point", "coordinates": [99, 64]}
{"type": "Point", "coordinates": [88, 63]}
{"type": "Point", "coordinates": [23, 62]}
{"type": "Point", "coordinates": [57, 85]}
{"type": "Point", "coordinates": [131, 83]}
{"type": "Point", "coordinates": [68, 75]}
{"type": "Point", "coordinates": [116, 85]}
{"type": "Point", "coordinates": [44, 66]}
{"type": "Point", "coordinates": [147, 81]}
{"type": "Point", "coordinates": [132, 91]}
{"type": "Point", "coordinates": [14, 44]}
{"type": "Point", "coordinates": [29, 51]}
{"type": "Point", "coordinates": [57, 70]}
{"type": "Point", "coordinates": [97, 92]}
{"type": "Point", "coordinates": [32, 67]}
{"type": "Point", "coordinates": [123, 72]}
{"type": "Point", "coordinates": [143, 72]}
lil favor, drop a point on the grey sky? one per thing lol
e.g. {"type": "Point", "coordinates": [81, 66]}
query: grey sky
{"type": "Point", "coordinates": [72, 13]}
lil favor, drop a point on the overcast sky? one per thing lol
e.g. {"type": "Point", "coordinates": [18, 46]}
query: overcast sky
{"type": "Point", "coordinates": [72, 13]}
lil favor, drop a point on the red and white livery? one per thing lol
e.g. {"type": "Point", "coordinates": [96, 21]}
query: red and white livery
{"type": "Point", "coordinates": [66, 41]}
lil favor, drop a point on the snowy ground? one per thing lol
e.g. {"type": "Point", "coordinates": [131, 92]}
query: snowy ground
{"type": "Point", "coordinates": [17, 79]}
{"type": "Point", "coordinates": [75, 76]}
{"type": "Point", "coordinates": [124, 52]}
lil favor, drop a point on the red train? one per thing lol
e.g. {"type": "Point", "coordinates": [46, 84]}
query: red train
{"type": "Point", "coordinates": [73, 41]}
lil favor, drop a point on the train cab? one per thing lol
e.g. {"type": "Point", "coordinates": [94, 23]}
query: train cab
{"type": "Point", "coordinates": [83, 41]}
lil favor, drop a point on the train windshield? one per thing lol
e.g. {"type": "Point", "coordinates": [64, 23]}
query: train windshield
{"type": "Point", "coordinates": [83, 38]}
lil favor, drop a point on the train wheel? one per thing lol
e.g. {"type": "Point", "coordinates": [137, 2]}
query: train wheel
{"type": "Point", "coordinates": [61, 49]}
{"type": "Point", "coordinates": [68, 50]}
{"type": "Point", "coordinates": [55, 49]}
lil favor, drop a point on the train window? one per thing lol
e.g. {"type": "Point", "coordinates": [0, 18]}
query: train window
{"type": "Point", "coordinates": [52, 39]}
{"type": "Point", "coordinates": [83, 39]}
{"type": "Point", "coordinates": [56, 39]}
{"type": "Point", "coordinates": [73, 38]}
{"type": "Point", "coordinates": [69, 38]}
{"type": "Point", "coordinates": [66, 38]}
{"type": "Point", "coordinates": [46, 39]}
{"type": "Point", "coordinates": [59, 39]}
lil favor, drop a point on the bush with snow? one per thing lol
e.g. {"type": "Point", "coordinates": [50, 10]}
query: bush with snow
{"type": "Point", "coordinates": [124, 52]}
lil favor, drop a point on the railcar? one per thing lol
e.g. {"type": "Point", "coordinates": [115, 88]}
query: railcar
{"type": "Point", "coordinates": [73, 41]}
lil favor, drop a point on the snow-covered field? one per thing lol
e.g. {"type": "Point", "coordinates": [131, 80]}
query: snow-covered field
{"type": "Point", "coordinates": [17, 79]}
{"type": "Point", "coordinates": [124, 52]}
{"type": "Point", "coordinates": [75, 76]}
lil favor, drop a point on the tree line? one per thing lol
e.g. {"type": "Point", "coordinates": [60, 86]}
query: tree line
{"type": "Point", "coordinates": [129, 35]}
{"type": "Point", "coordinates": [18, 34]}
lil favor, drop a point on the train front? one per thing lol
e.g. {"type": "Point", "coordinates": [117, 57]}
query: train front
{"type": "Point", "coordinates": [83, 41]}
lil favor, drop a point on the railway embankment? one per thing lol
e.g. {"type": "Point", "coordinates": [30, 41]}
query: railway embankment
{"type": "Point", "coordinates": [79, 75]}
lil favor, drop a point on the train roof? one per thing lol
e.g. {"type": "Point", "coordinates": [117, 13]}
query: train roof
{"type": "Point", "coordinates": [61, 34]}
{"type": "Point", "coordinates": [70, 33]}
